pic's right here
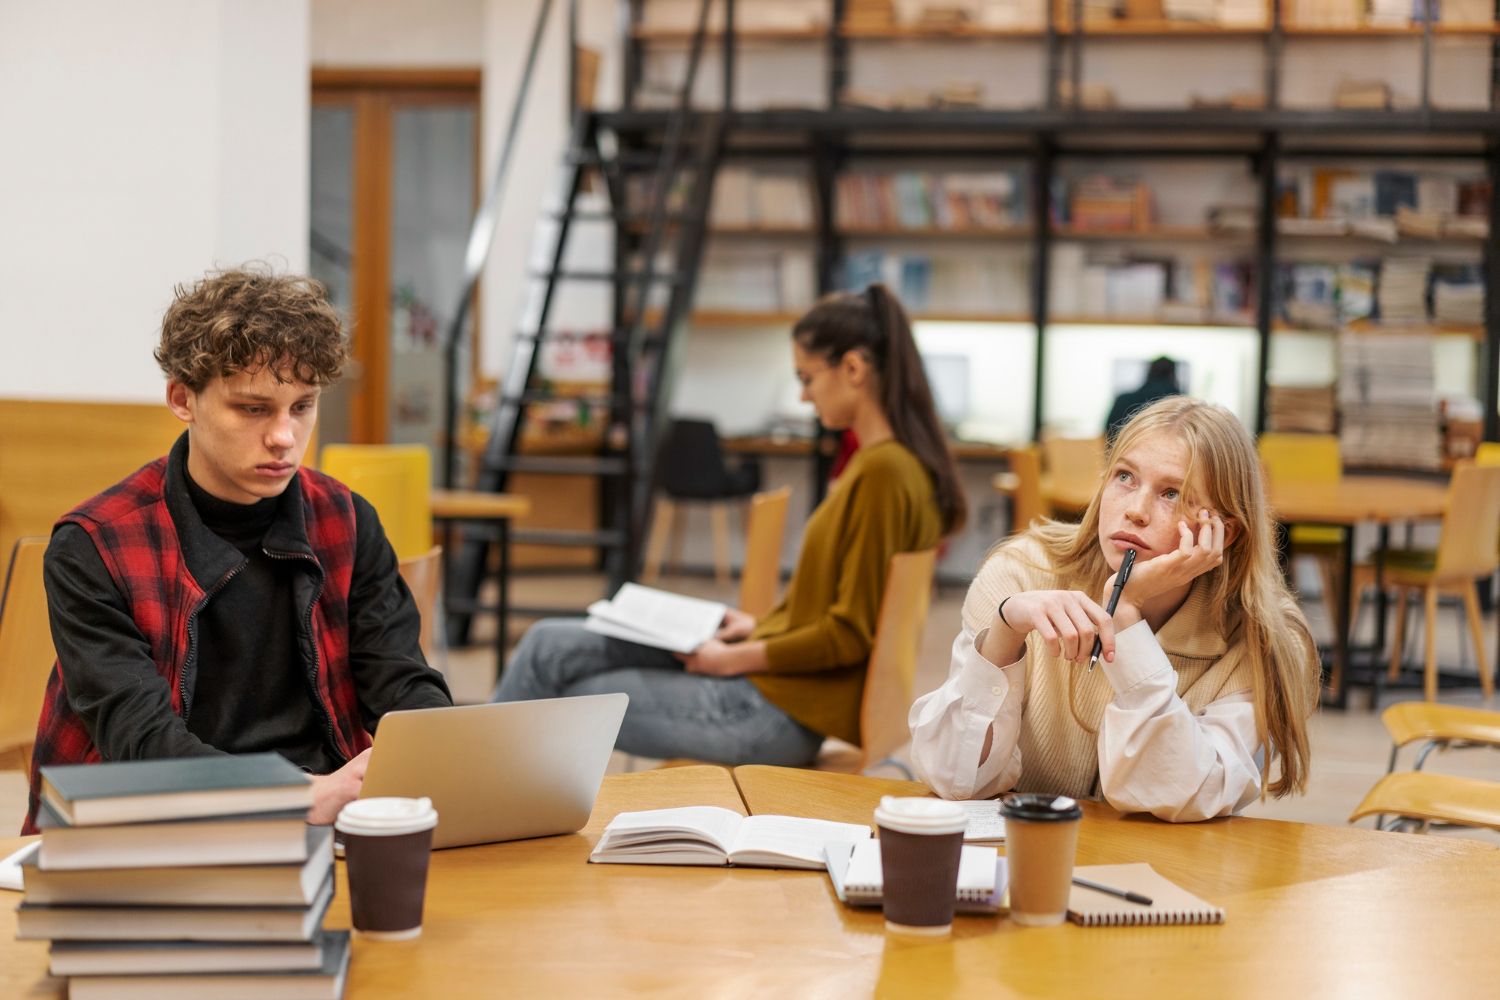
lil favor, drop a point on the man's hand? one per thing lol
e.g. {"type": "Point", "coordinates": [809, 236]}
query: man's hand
{"type": "Point", "coordinates": [332, 792]}
{"type": "Point", "coordinates": [737, 626]}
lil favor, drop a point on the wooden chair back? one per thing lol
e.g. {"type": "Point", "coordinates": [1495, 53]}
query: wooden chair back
{"type": "Point", "coordinates": [1024, 487]}
{"type": "Point", "coordinates": [424, 576]}
{"type": "Point", "coordinates": [760, 579]}
{"type": "Point", "coordinates": [1471, 525]}
{"type": "Point", "coordinates": [1074, 465]}
{"type": "Point", "coordinates": [397, 480]}
{"type": "Point", "coordinates": [893, 658]}
{"type": "Point", "coordinates": [1300, 458]}
{"type": "Point", "coordinates": [26, 653]}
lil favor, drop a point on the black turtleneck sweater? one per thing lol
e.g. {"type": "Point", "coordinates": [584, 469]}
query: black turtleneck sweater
{"type": "Point", "coordinates": [251, 692]}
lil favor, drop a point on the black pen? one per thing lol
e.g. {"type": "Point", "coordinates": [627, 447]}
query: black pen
{"type": "Point", "coordinates": [1114, 600]}
{"type": "Point", "coordinates": [1125, 894]}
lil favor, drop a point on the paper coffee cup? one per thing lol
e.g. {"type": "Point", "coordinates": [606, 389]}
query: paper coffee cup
{"type": "Point", "coordinates": [921, 840]}
{"type": "Point", "coordinates": [1041, 838]}
{"type": "Point", "coordinates": [387, 844]}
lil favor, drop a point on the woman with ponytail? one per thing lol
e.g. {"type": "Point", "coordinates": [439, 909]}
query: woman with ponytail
{"type": "Point", "coordinates": [1208, 672]}
{"type": "Point", "coordinates": [770, 691]}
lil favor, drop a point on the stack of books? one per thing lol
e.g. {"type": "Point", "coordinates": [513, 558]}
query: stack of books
{"type": "Point", "coordinates": [1403, 289]}
{"type": "Point", "coordinates": [1458, 294]}
{"type": "Point", "coordinates": [1108, 204]}
{"type": "Point", "coordinates": [184, 878]}
{"type": "Point", "coordinates": [870, 15]}
{"type": "Point", "coordinates": [1309, 409]}
{"type": "Point", "coordinates": [1388, 401]}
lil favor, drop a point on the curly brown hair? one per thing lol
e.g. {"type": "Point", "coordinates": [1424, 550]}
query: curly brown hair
{"type": "Point", "coordinates": [241, 320]}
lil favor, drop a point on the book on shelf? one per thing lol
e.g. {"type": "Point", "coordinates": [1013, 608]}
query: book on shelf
{"type": "Point", "coordinates": [1371, 95]}
{"type": "Point", "coordinates": [259, 838]}
{"type": "Point", "coordinates": [656, 618]}
{"type": "Point", "coordinates": [171, 923]}
{"type": "Point", "coordinates": [325, 981]}
{"type": "Point", "coordinates": [1310, 409]}
{"type": "Point", "coordinates": [710, 835]}
{"type": "Point", "coordinates": [221, 885]}
{"type": "Point", "coordinates": [132, 958]}
{"type": "Point", "coordinates": [174, 788]}
{"type": "Point", "coordinates": [858, 880]}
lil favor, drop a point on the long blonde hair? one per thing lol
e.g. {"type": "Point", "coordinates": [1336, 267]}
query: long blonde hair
{"type": "Point", "coordinates": [1249, 596]}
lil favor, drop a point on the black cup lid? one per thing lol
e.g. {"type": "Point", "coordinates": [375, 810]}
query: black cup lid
{"type": "Point", "coordinates": [1040, 807]}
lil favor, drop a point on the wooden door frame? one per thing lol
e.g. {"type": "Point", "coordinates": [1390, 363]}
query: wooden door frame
{"type": "Point", "coordinates": [372, 95]}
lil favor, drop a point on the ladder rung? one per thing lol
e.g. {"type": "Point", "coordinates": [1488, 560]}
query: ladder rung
{"type": "Point", "coordinates": [544, 396]}
{"type": "Point", "coordinates": [593, 465]}
{"type": "Point", "coordinates": [628, 159]}
{"type": "Point", "coordinates": [623, 218]}
{"type": "Point", "coordinates": [538, 536]}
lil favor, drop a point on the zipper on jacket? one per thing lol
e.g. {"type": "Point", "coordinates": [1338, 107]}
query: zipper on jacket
{"type": "Point", "coordinates": [192, 629]}
{"type": "Point", "coordinates": [312, 678]}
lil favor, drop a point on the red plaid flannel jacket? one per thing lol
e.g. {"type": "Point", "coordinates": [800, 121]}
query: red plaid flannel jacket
{"type": "Point", "coordinates": [138, 540]}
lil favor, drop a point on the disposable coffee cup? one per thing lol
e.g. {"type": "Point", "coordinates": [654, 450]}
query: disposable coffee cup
{"type": "Point", "coordinates": [1041, 838]}
{"type": "Point", "coordinates": [920, 843]}
{"type": "Point", "coordinates": [387, 843]}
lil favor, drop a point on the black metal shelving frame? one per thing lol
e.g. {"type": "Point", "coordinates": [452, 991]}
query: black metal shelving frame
{"type": "Point", "coordinates": [828, 138]}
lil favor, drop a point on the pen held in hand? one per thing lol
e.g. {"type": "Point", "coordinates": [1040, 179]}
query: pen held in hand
{"type": "Point", "coordinates": [1114, 600]}
{"type": "Point", "coordinates": [1125, 894]}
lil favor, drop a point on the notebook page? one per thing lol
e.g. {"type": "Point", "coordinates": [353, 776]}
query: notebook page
{"type": "Point", "coordinates": [985, 821]}
{"type": "Point", "coordinates": [1170, 902]}
{"type": "Point", "coordinates": [977, 873]}
{"type": "Point", "coordinates": [704, 823]}
{"type": "Point", "coordinates": [790, 841]}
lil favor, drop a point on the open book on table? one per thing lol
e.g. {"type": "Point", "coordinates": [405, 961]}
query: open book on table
{"type": "Point", "coordinates": [656, 618]}
{"type": "Point", "coordinates": [854, 869]}
{"type": "Point", "coordinates": [710, 835]}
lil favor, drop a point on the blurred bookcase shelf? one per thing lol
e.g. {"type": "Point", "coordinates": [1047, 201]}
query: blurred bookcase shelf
{"type": "Point", "coordinates": [847, 131]}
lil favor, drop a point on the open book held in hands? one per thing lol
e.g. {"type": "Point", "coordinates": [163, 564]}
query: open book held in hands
{"type": "Point", "coordinates": [656, 618]}
{"type": "Point", "coordinates": [710, 835]}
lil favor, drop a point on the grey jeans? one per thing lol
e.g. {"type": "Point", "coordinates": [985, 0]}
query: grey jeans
{"type": "Point", "coordinates": [672, 713]}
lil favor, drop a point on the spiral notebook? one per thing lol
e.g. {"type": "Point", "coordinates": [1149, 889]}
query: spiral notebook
{"type": "Point", "coordinates": [856, 874]}
{"type": "Point", "coordinates": [1170, 902]}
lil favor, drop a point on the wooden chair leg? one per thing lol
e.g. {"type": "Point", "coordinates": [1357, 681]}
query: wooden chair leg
{"type": "Point", "coordinates": [1429, 618]}
{"type": "Point", "coordinates": [1327, 571]}
{"type": "Point", "coordinates": [1398, 635]}
{"type": "Point", "coordinates": [1476, 630]}
{"type": "Point", "coordinates": [720, 509]}
{"type": "Point", "coordinates": [656, 545]}
{"type": "Point", "coordinates": [674, 557]}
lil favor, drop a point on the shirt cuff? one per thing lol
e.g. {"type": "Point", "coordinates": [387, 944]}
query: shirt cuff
{"type": "Point", "coordinates": [1139, 662]}
{"type": "Point", "coordinates": [983, 685]}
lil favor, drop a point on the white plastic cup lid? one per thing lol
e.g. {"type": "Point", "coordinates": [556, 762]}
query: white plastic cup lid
{"type": "Point", "coordinates": [386, 817]}
{"type": "Point", "coordinates": [910, 814]}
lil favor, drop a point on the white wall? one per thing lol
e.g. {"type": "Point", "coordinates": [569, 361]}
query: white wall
{"type": "Point", "coordinates": [144, 145]}
{"type": "Point", "coordinates": [399, 33]}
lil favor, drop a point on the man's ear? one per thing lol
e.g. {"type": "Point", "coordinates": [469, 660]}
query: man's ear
{"type": "Point", "coordinates": [181, 401]}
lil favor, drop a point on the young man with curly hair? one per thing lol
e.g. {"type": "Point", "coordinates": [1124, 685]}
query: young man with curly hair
{"type": "Point", "coordinates": [223, 599]}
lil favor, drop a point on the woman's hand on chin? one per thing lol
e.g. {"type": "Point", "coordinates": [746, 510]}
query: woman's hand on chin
{"type": "Point", "coordinates": [1196, 554]}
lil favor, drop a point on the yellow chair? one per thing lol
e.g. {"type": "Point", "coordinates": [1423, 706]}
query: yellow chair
{"type": "Point", "coordinates": [424, 577]}
{"type": "Point", "coordinates": [760, 579]}
{"type": "Point", "coordinates": [1421, 798]}
{"type": "Point", "coordinates": [26, 653]}
{"type": "Point", "coordinates": [1439, 727]}
{"type": "Point", "coordinates": [1023, 485]}
{"type": "Point", "coordinates": [892, 669]}
{"type": "Point", "coordinates": [1468, 549]}
{"type": "Point", "coordinates": [397, 480]}
{"type": "Point", "coordinates": [1310, 458]}
{"type": "Point", "coordinates": [1074, 468]}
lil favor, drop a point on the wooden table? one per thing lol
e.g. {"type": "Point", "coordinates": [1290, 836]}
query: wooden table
{"type": "Point", "coordinates": [497, 510]}
{"type": "Point", "coordinates": [1312, 911]}
{"type": "Point", "coordinates": [1378, 500]}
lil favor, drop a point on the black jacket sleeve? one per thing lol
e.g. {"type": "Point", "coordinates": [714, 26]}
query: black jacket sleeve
{"type": "Point", "coordinates": [385, 655]}
{"type": "Point", "coordinates": [106, 663]}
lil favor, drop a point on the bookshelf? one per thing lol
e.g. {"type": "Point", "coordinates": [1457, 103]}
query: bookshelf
{"type": "Point", "coordinates": [1038, 141]}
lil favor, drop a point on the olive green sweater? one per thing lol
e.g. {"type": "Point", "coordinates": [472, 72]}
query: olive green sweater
{"type": "Point", "coordinates": [820, 635]}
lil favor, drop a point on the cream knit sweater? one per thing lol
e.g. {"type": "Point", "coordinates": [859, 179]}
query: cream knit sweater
{"type": "Point", "coordinates": [1059, 755]}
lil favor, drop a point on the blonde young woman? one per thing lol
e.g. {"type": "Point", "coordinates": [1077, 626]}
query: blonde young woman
{"type": "Point", "coordinates": [1208, 672]}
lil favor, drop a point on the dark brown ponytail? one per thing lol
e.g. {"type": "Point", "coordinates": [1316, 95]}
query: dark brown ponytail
{"type": "Point", "coordinates": [875, 323]}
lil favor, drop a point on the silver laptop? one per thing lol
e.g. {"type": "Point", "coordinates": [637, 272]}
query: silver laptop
{"type": "Point", "coordinates": [499, 772]}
